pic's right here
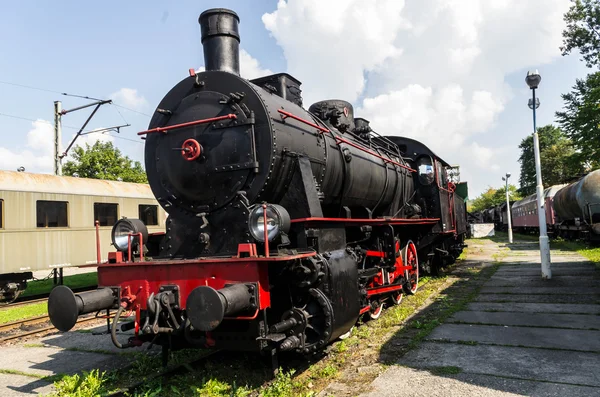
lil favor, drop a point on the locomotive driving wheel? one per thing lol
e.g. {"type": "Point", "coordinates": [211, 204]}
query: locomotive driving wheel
{"type": "Point", "coordinates": [375, 313]}
{"type": "Point", "coordinates": [409, 257]}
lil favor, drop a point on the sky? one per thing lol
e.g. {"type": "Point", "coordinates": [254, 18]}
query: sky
{"type": "Point", "coordinates": [449, 73]}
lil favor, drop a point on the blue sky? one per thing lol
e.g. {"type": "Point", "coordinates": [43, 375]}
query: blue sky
{"type": "Point", "coordinates": [468, 104]}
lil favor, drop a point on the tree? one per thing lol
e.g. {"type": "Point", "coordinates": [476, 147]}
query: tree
{"type": "Point", "coordinates": [493, 197]}
{"type": "Point", "coordinates": [581, 117]}
{"type": "Point", "coordinates": [559, 159]}
{"type": "Point", "coordinates": [104, 161]}
{"type": "Point", "coordinates": [583, 31]}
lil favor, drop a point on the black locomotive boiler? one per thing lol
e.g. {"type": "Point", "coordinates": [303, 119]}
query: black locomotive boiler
{"type": "Point", "coordinates": [285, 224]}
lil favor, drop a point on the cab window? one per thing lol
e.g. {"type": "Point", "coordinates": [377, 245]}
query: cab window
{"type": "Point", "coordinates": [426, 172]}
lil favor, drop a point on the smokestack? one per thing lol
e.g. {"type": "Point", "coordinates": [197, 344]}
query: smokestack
{"type": "Point", "coordinates": [220, 40]}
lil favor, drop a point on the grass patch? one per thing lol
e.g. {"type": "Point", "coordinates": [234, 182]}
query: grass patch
{"type": "Point", "coordinates": [23, 312]}
{"type": "Point", "coordinates": [449, 370]}
{"type": "Point", "coordinates": [16, 372]}
{"type": "Point", "coordinates": [39, 287]}
{"type": "Point", "coordinates": [589, 252]}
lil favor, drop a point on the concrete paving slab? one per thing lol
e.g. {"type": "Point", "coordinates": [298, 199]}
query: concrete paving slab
{"type": "Point", "coordinates": [46, 361]}
{"type": "Point", "coordinates": [90, 342]}
{"type": "Point", "coordinates": [551, 338]}
{"type": "Point", "coordinates": [400, 381]}
{"type": "Point", "coordinates": [562, 282]}
{"type": "Point", "coordinates": [584, 299]}
{"type": "Point", "coordinates": [512, 307]}
{"type": "Point", "coordinates": [555, 272]}
{"type": "Point", "coordinates": [525, 289]}
{"type": "Point", "coordinates": [575, 321]}
{"type": "Point", "coordinates": [524, 269]}
{"type": "Point", "coordinates": [577, 368]}
{"type": "Point", "coordinates": [13, 385]}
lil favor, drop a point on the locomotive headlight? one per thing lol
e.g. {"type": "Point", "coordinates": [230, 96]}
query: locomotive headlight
{"type": "Point", "coordinates": [123, 228]}
{"type": "Point", "coordinates": [277, 221]}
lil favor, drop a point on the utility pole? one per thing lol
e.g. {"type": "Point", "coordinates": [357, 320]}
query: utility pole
{"type": "Point", "coordinates": [57, 137]}
{"type": "Point", "coordinates": [58, 113]}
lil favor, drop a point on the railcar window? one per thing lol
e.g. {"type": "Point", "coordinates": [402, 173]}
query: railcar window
{"type": "Point", "coordinates": [52, 214]}
{"type": "Point", "coordinates": [106, 213]}
{"type": "Point", "coordinates": [149, 214]}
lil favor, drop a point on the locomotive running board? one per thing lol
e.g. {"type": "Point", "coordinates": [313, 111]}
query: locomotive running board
{"type": "Point", "coordinates": [375, 222]}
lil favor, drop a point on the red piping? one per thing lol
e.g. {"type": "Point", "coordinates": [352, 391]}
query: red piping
{"type": "Point", "coordinates": [191, 123]}
{"type": "Point", "coordinates": [293, 116]}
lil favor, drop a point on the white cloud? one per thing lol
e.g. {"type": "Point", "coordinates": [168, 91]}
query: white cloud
{"type": "Point", "coordinates": [433, 70]}
{"type": "Point", "coordinates": [129, 98]}
{"type": "Point", "coordinates": [250, 67]}
{"type": "Point", "coordinates": [38, 153]}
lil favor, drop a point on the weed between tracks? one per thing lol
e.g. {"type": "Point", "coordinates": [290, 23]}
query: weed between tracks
{"type": "Point", "coordinates": [354, 361]}
{"type": "Point", "coordinates": [23, 312]}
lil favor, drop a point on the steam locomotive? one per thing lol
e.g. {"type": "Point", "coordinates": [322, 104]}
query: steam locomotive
{"type": "Point", "coordinates": [285, 224]}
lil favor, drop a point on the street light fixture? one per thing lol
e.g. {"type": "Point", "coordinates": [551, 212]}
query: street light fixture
{"type": "Point", "coordinates": [508, 212]}
{"type": "Point", "coordinates": [533, 80]}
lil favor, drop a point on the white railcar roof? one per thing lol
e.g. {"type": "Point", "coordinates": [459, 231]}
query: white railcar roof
{"type": "Point", "coordinates": [45, 183]}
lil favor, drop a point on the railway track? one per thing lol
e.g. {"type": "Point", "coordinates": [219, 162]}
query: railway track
{"type": "Point", "coordinates": [33, 321]}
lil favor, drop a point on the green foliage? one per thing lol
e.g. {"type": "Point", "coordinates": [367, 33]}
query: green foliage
{"type": "Point", "coordinates": [104, 161]}
{"type": "Point", "coordinates": [583, 31]}
{"type": "Point", "coordinates": [217, 388]}
{"type": "Point", "coordinates": [580, 118]}
{"type": "Point", "coordinates": [90, 384]}
{"type": "Point", "coordinates": [493, 197]}
{"type": "Point", "coordinates": [559, 160]}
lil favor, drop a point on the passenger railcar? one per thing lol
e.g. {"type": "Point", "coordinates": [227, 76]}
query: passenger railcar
{"type": "Point", "coordinates": [285, 224]}
{"type": "Point", "coordinates": [48, 222]}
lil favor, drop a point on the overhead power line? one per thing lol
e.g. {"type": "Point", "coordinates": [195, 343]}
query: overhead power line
{"type": "Point", "coordinates": [70, 127]}
{"type": "Point", "coordinates": [71, 95]}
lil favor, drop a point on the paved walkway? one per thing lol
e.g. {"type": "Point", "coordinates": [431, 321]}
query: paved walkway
{"type": "Point", "coordinates": [520, 336]}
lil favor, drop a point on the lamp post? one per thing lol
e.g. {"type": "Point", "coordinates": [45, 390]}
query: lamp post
{"type": "Point", "coordinates": [508, 213]}
{"type": "Point", "coordinates": [533, 80]}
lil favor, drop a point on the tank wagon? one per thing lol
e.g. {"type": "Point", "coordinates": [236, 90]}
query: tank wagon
{"type": "Point", "coordinates": [572, 211]}
{"type": "Point", "coordinates": [285, 224]}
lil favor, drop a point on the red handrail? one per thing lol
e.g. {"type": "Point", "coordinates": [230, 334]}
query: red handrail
{"type": "Point", "coordinates": [339, 140]}
{"type": "Point", "coordinates": [98, 253]}
{"type": "Point", "coordinates": [141, 246]}
{"type": "Point", "coordinates": [188, 124]}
